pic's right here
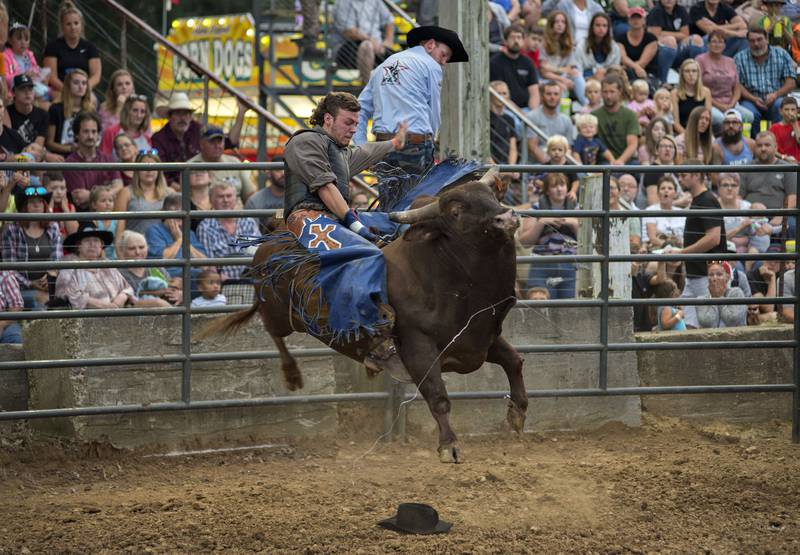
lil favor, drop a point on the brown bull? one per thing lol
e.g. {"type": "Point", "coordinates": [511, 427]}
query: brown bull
{"type": "Point", "coordinates": [451, 282]}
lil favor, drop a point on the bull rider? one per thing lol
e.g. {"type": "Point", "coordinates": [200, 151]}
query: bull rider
{"type": "Point", "coordinates": [319, 164]}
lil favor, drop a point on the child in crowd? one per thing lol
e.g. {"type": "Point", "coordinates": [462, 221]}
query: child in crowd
{"type": "Point", "coordinates": [557, 148]}
{"type": "Point", "coordinates": [787, 132]}
{"type": "Point", "coordinates": [210, 284]}
{"type": "Point", "coordinates": [662, 101]}
{"type": "Point", "coordinates": [20, 60]}
{"type": "Point", "coordinates": [534, 39]}
{"type": "Point", "coordinates": [644, 107]}
{"type": "Point", "coordinates": [538, 294]}
{"type": "Point", "coordinates": [593, 96]}
{"type": "Point", "coordinates": [101, 199]}
{"type": "Point", "coordinates": [589, 149]}
{"type": "Point", "coordinates": [668, 317]}
{"type": "Point", "coordinates": [59, 201]}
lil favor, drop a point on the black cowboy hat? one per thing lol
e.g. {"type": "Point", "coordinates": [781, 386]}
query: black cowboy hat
{"type": "Point", "coordinates": [23, 194]}
{"type": "Point", "coordinates": [450, 38]}
{"type": "Point", "coordinates": [88, 229]}
{"type": "Point", "coordinates": [416, 518]}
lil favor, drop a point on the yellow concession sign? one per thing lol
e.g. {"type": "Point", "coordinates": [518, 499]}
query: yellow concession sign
{"type": "Point", "coordinates": [223, 44]}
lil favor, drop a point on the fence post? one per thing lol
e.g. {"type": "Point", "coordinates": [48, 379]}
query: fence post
{"type": "Point", "coordinates": [394, 417]}
{"type": "Point", "coordinates": [186, 317]}
{"type": "Point", "coordinates": [589, 242]}
{"type": "Point", "coordinates": [796, 361]}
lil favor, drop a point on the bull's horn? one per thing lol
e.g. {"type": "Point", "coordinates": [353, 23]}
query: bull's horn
{"type": "Point", "coordinates": [427, 212]}
{"type": "Point", "coordinates": [490, 175]}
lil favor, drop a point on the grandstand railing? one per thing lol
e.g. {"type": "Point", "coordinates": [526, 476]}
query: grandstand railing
{"type": "Point", "coordinates": [395, 394]}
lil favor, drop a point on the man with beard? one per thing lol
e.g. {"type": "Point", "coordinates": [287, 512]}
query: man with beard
{"type": "Point", "coordinates": [86, 129]}
{"type": "Point", "coordinates": [179, 139]}
{"type": "Point", "coordinates": [766, 75]}
{"type": "Point", "coordinates": [731, 147]}
{"type": "Point", "coordinates": [550, 120]}
{"type": "Point", "coordinates": [772, 189]}
{"type": "Point", "coordinates": [618, 126]}
{"type": "Point", "coordinates": [515, 70]}
{"type": "Point", "coordinates": [270, 197]}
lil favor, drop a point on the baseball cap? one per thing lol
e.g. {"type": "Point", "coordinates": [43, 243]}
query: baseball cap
{"type": "Point", "coordinates": [636, 11]}
{"type": "Point", "coordinates": [732, 114]}
{"type": "Point", "coordinates": [212, 132]}
{"type": "Point", "coordinates": [21, 81]}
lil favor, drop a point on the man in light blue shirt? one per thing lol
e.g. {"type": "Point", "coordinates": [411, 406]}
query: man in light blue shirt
{"type": "Point", "coordinates": [406, 87]}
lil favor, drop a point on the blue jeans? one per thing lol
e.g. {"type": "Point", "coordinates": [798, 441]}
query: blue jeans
{"type": "Point", "coordinates": [580, 89]}
{"type": "Point", "coordinates": [671, 58]}
{"type": "Point", "coordinates": [773, 114]}
{"type": "Point", "coordinates": [557, 277]}
{"type": "Point", "coordinates": [732, 46]}
{"type": "Point", "coordinates": [29, 297]}
{"type": "Point", "coordinates": [413, 159]}
{"type": "Point", "coordinates": [12, 333]}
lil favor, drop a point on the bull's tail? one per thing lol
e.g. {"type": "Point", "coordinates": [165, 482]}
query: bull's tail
{"type": "Point", "coordinates": [228, 324]}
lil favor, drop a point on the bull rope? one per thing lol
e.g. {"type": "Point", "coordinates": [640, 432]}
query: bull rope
{"type": "Point", "coordinates": [491, 307]}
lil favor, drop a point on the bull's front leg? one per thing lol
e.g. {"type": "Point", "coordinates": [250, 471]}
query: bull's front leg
{"type": "Point", "coordinates": [502, 353]}
{"type": "Point", "coordinates": [421, 358]}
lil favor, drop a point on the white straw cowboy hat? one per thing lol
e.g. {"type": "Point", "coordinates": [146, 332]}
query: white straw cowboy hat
{"type": "Point", "coordinates": [178, 101]}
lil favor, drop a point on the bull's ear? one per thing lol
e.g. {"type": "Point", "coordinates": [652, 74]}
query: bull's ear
{"type": "Point", "coordinates": [422, 231]}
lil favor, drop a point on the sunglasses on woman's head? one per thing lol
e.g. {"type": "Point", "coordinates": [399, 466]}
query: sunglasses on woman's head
{"type": "Point", "coordinates": [141, 97]}
{"type": "Point", "coordinates": [148, 152]}
{"type": "Point", "coordinates": [35, 191]}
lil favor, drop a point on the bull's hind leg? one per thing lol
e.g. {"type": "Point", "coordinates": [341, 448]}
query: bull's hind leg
{"type": "Point", "coordinates": [502, 353]}
{"type": "Point", "coordinates": [291, 373]}
{"type": "Point", "coordinates": [417, 354]}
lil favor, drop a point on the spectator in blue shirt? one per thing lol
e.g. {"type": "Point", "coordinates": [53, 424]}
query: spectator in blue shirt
{"type": "Point", "coordinates": [766, 75]}
{"type": "Point", "coordinates": [165, 238]}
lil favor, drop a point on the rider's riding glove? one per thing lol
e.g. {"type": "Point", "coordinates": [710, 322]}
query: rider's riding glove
{"type": "Point", "coordinates": [351, 221]}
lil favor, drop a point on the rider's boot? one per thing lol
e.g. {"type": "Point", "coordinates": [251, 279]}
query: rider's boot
{"type": "Point", "coordinates": [383, 354]}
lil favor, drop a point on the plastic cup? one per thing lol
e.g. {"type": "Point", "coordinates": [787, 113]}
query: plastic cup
{"type": "Point", "coordinates": [746, 128]}
{"type": "Point", "coordinates": [566, 106]}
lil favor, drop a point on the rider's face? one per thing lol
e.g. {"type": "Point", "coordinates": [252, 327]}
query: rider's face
{"type": "Point", "coordinates": [342, 127]}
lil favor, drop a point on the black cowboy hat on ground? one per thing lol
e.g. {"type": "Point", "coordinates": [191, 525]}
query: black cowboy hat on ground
{"type": "Point", "coordinates": [416, 518]}
{"type": "Point", "coordinates": [448, 37]}
{"type": "Point", "coordinates": [88, 229]}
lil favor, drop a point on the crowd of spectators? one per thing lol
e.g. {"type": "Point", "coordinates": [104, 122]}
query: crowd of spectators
{"type": "Point", "coordinates": [52, 111]}
{"type": "Point", "coordinates": [639, 83]}
{"type": "Point", "coordinates": [646, 83]}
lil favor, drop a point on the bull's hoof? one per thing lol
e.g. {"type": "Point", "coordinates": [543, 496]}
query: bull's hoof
{"type": "Point", "coordinates": [293, 379]}
{"type": "Point", "coordinates": [515, 417]}
{"type": "Point", "coordinates": [450, 454]}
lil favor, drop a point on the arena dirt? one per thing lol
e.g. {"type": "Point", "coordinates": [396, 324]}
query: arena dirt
{"type": "Point", "coordinates": [668, 488]}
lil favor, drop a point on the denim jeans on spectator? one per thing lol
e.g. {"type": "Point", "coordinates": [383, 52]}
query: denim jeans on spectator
{"type": "Point", "coordinates": [732, 45]}
{"type": "Point", "coordinates": [413, 159]}
{"type": "Point", "coordinates": [695, 287]}
{"type": "Point", "coordinates": [773, 114]}
{"type": "Point", "coordinates": [12, 333]}
{"type": "Point", "coordinates": [557, 277]}
{"type": "Point", "coordinates": [579, 89]}
{"type": "Point", "coordinates": [717, 116]}
{"type": "Point", "coordinates": [671, 58]}
{"type": "Point", "coordinates": [30, 298]}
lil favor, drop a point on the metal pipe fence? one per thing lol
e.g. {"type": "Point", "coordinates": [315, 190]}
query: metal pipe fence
{"type": "Point", "coordinates": [394, 395]}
